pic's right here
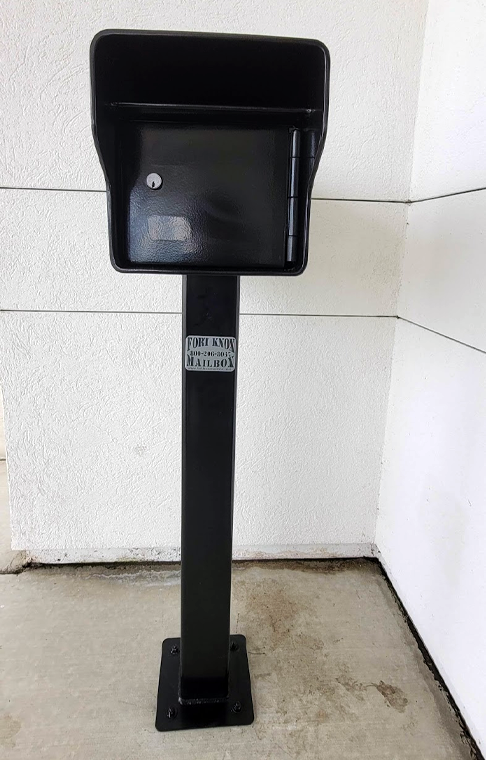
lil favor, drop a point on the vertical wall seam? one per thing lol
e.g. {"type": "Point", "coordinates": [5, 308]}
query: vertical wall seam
{"type": "Point", "coordinates": [417, 102]}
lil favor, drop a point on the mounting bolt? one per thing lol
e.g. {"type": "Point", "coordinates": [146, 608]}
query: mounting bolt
{"type": "Point", "coordinates": [174, 649]}
{"type": "Point", "coordinates": [171, 712]}
{"type": "Point", "coordinates": [154, 181]}
{"type": "Point", "coordinates": [236, 707]}
{"type": "Point", "coordinates": [234, 646]}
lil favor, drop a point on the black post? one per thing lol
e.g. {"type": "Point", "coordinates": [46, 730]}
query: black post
{"type": "Point", "coordinates": [211, 310]}
{"type": "Point", "coordinates": [204, 678]}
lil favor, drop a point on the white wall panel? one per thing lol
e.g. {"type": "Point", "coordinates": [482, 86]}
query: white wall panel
{"type": "Point", "coordinates": [93, 431]}
{"type": "Point", "coordinates": [432, 523]}
{"type": "Point", "coordinates": [2, 429]}
{"type": "Point", "coordinates": [450, 133]}
{"type": "Point", "coordinates": [55, 256]}
{"type": "Point", "coordinates": [355, 255]}
{"type": "Point", "coordinates": [444, 268]}
{"type": "Point", "coordinates": [375, 51]}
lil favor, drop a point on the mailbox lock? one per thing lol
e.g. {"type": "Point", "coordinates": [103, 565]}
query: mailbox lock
{"type": "Point", "coordinates": [154, 181]}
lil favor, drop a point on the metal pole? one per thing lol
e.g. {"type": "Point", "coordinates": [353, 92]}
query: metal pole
{"type": "Point", "coordinates": [204, 679]}
{"type": "Point", "coordinates": [211, 310]}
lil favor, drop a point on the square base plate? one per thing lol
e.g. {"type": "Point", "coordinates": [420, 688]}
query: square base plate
{"type": "Point", "coordinates": [237, 710]}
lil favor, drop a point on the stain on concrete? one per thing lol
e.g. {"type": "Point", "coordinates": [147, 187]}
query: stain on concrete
{"type": "Point", "coordinates": [9, 728]}
{"type": "Point", "coordinates": [393, 696]}
{"type": "Point", "coordinates": [356, 688]}
{"type": "Point", "coordinates": [140, 576]}
{"type": "Point", "coordinates": [323, 566]}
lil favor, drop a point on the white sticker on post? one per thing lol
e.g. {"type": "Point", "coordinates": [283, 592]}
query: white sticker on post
{"type": "Point", "coordinates": [210, 353]}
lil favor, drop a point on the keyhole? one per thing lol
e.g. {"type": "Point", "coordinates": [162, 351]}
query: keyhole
{"type": "Point", "coordinates": [154, 181]}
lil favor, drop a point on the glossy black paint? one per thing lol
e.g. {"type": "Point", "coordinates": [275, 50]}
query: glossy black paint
{"type": "Point", "coordinates": [211, 308]}
{"type": "Point", "coordinates": [236, 710]}
{"type": "Point", "coordinates": [234, 125]}
{"type": "Point", "coordinates": [209, 676]}
{"type": "Point", "coordinates": [232, 128]}
{"type": "Point", "coordinates": [223, 196]}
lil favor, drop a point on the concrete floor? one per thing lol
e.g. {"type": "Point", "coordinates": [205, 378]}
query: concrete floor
{"type": "Point", "coordinates": [336, 673]}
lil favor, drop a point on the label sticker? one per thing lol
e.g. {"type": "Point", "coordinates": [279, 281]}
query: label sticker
{"type": "Point", "coordinates": [210, 353]}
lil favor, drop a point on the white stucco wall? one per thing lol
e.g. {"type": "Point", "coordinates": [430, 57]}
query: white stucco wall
{"type": "Point", "coordinates": [87, 390]}
{"type": "Point", "coordinates": [90, 367]}
{"type": "Point", "coordinates": [55, 258]}
{"type": "Point", "coordinates": [444, 270]}
{"type": "Point", "coordinates": [431, 522]}
{"type": "Point", "coordinates": [375, 47]}
{"type": "Point", "coordinates": [93, 397]}
{"type": "Point", "coordinates": [94, 436]}
{"type": "Point", "coordinates": [2, 431]}
{"type": "Point", "coordinates": [450, 133]}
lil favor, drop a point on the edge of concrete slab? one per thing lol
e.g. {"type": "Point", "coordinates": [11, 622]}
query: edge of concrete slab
{"type": "Point", "coordinates": [173, 553]}
{"type": "Point", "coordinates": [466, 734]}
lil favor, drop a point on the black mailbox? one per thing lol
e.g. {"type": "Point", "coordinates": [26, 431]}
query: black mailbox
{"type": "Point", "coordinates": [209, 144]}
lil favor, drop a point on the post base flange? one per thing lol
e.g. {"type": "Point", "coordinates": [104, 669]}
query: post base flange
{"type": "Point", "coordinates": [237, 710]}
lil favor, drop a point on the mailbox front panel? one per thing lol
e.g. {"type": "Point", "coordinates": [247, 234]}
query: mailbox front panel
{"type": "Point", "coordinates": [222, 201]}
